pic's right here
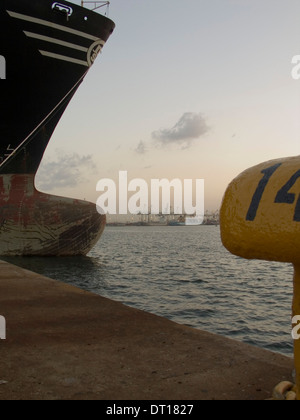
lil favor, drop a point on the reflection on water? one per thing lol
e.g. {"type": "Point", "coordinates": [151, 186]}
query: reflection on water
{"type": "Point", "coordinates": [184, 274]}
{"type": "Point", "coordinates": [86, 272]}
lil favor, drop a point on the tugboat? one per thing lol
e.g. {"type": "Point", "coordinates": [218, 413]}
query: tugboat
{"type": "Point", "coordinates": [46, 51]}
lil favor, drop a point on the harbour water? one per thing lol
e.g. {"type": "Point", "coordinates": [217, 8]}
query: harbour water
{"type": "Point", "coordinates": [186, 275]}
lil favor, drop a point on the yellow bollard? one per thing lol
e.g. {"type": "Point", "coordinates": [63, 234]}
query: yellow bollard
{"type": "Point", "coordinates": [296, 312]}
{"type": "Point", "coordinates": [260, 219]}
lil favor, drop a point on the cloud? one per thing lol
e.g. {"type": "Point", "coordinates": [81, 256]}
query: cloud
{"type": "Point", "coordinates": [66, 171]}
{"type": "Point", "coordinates": [191, 126]}
{"type": "Point", "coordinates": [141, 148]}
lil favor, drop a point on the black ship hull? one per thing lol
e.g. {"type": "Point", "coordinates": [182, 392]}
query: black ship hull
{"type": "Point", "coordinates": [48, 49]}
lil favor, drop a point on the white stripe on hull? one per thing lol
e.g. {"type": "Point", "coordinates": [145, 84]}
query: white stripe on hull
{"type": "Point", "coordinates": [55, 41]}
{"type": "Point", "coordinates": [51, 25]}
{"type": "Point", "coordinates": [64, 58]}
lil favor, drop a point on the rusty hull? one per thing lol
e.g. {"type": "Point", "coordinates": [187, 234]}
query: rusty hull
{"type": "Point", "coordinates": [33, 223]}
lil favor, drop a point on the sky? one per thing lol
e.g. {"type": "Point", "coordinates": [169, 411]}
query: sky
{"type": "Point", "coordinates": [193, 89]}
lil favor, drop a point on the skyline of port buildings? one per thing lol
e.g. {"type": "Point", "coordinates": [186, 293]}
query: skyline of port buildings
{"type": "Point", "coordinates": [189, 90]}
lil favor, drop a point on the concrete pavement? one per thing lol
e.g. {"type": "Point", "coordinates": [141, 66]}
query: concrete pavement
{"type": "Point", "coordinates": [65, 343]}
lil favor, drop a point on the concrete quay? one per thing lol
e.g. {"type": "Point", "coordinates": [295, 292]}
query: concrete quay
{"type": "Point", "coordinates": [63, 343]}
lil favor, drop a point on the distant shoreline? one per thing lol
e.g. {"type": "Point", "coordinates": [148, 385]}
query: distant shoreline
{"type": "Point", "coordinates": [155, 225]}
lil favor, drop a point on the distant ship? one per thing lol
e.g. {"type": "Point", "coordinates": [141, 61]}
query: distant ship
{"type": "Point", "coordinates": [47, 49]}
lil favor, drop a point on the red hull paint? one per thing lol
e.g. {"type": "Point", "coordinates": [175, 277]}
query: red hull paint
{"type": "Point", "coordinates": [35, 223]}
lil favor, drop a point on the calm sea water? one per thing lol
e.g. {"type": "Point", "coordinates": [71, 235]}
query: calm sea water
{"type": "Point", "coordinates": [186, 275]}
